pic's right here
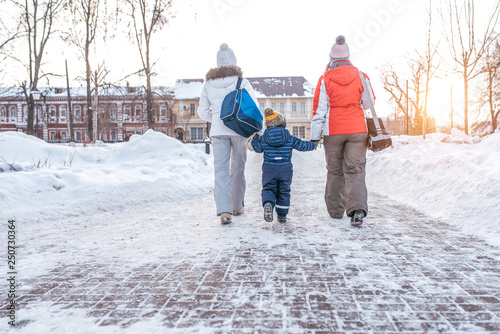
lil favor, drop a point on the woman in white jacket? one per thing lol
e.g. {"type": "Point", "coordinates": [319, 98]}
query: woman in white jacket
{"type": "Point", "coordinates": [230, 149]}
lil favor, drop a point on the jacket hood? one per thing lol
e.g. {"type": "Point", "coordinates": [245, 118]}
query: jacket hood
{"type": "Point", "coordinates": [276, 136]}
{"type": "Point", "coordinates": [342, 75]}
{"type": "Point", "coordinates": [224, 72]}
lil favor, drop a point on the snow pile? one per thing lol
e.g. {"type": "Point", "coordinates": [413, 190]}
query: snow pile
{"type": "Point", "coordinates": [458, 184]}
{"type": "Point", "coordinates": [459, 137]}
{"type": "Point", "coordinates": [43, 181]}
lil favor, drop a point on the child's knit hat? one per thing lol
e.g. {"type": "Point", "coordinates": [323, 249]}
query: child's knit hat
{"type": "Point", "coordinates": [274, 118]}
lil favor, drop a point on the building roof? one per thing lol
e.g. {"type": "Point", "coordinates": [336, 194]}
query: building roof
{"type": "Point", "coordinates": [58, 92]}
{"type": "Point", "coordinates": [185, 89]}
{"type": "Point", "coordinates": [265, 87]}
{"type": "Point", "coordinates": [282, 87]}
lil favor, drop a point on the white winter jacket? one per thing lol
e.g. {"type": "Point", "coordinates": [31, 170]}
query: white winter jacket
{"type": "Point", "coordinates": [219, 82]}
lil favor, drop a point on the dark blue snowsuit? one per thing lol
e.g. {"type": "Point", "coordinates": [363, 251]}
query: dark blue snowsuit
{"type": "Point", "coordinates": [277, 170]}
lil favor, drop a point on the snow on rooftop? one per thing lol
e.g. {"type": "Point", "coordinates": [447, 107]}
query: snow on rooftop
{"type": "Point", "coordinates": [188, 89]}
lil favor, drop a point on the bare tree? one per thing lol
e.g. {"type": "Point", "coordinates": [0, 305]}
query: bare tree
{"type": "Point", "coordinates": [430, 66]}
{"type": "Point", "coordinates": [466, 50]}
{"type": "Point", "coordinates": [489, 89]}
{"type": "Point", "coordinates": [148, 17]}
{"type": "Point", "coordinates": [395, 84]}
{"type": "Point", "coordinates": [83, 31]}
{"type": "Point", "coordinates": [38, 25]}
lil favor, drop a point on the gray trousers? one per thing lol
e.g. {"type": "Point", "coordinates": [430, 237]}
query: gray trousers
{"type": "Point", "coordinates": [345, 182]}
{"type": "Point", "coordinates": [230, 156]}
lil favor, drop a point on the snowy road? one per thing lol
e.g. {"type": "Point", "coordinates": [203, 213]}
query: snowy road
{"type": "Point", "coordinates": [171, 267]}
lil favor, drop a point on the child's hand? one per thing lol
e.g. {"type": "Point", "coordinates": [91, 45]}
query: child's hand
{"type": "Point", "coordinates": [316, 142]}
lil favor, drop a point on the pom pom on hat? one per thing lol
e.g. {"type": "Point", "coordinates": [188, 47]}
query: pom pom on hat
{"type": "Point", "coordinates": [225, 56]}
{"type": "Point", "coordinates": [274, 118]}
{"type": "Point", "coordinates": [340, 40]}
{"type": "Point", "coordinates": [340, 50]}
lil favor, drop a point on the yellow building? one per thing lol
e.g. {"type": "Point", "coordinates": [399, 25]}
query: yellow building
{"type": "Point", "coordinates": [291, 96]}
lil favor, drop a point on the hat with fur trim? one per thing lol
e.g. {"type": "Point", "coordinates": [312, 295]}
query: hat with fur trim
{"type": "Point", "coordinates": [274, 118]}
{"type": "Point", "coordinates": [340, 50]}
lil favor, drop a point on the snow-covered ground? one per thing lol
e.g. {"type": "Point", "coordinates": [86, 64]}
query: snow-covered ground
{"type": "Point", "coordinates": [454, 179]}
{"type": "Point", "coordinates": [151, 199]}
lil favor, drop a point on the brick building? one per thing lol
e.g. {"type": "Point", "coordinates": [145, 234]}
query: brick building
{"type": "Point", "coordinates": [121, 111]}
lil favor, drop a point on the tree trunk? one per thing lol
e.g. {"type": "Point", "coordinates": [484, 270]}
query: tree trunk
{"type": "Point", "coordinates": [90, 127]}
{"type": "Point", "coordinates": [31, 113]}
{"type": "Point", "coordinates": [149, 102]}
{"type": "Point", "coordinates": [466, 101]}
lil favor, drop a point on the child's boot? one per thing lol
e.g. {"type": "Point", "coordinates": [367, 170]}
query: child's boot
{"type": "Point", "coordinates": [282, 219]}
{"type": "Point", "coordinates": [268, 212]}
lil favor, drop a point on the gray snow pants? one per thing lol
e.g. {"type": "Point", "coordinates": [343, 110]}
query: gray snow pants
{"type": "Point", "coordinates": [230, 156]}
{"type": "Point", "coordinates": [345, 182]}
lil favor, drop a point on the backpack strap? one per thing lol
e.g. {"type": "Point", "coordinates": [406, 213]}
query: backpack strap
{"type": "Point", "coordinates": [367, 89]}
{"type": "Point", "coordinates": [238, 84]}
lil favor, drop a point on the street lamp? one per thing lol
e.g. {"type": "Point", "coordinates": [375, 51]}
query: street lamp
{"type": "Point", "coordinates": [36, 96]}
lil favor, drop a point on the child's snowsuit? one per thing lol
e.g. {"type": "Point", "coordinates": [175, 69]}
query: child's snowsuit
{"type": "Point", "coordinates": [277, 170]}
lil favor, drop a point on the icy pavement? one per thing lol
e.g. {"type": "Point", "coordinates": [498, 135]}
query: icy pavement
{"type": "Point", "coordinates": [172, 268]}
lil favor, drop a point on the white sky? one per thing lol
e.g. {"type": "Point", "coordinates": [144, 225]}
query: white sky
{"type": "Point", "coordinates": [282, 38]}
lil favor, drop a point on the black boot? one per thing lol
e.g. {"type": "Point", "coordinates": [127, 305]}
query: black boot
{"type": "Point", "coordinates": [357, 218]}
{"type": "Point", "coordinates": [282, 219]}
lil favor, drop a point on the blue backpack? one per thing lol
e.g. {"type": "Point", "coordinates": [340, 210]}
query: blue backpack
{"type": "Point", "coordinates": [240, 113]}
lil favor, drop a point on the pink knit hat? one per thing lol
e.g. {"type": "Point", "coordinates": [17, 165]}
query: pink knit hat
{"type": "Point", "coordinates": [340, 50]}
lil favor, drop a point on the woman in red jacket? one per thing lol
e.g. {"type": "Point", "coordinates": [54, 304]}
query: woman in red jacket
{"type": "Point", "coordinates": [338, 114]}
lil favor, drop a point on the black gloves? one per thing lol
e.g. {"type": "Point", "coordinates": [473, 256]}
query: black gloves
{"type": "Point", "coordinates": [316, 142]}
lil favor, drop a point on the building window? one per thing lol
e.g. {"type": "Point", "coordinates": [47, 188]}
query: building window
{"type": "Point", "coordinates": [112, 112]}
{"type": "Point", "coordinates": [64, 135]}
{"type": "Point", "coordinates": [78, 135]}
{"type": "Point", "coordinates": [196, 134]}
{"type": "Point", "coordinates": [192, 109]}
{"type": "Point", "coordinates": [138, 111]}
{"type": "Point", "coordinates": [282, 107]}
{"type": "Point", "coordinates": [163, 110]}
{"type": "Point", "coordinates": [302, 108]}
{"type": "Point", "coordinates": [113, 135]}
{"type": "Point", "coordinates": [25, 114]}
{"type": "Point", "coordinates": [127, 110]}
{"type": "Point", "coordinates": [78, 114]}
{"type": "Point", "coordinates": [273, 105]}
{"type": "Point", "coordinates": [62, 111]}
{"type": "Point", "coordinates": [138, 132]}
{"type": "Point", "coordinates": [299, 132]}
{"type": "Point", "coordinates": [52, 136]}
{"type": "Point", "coordinates": [52, 111]}
{"type": "Point", "coordinates": [13, 112]}
{"type": "Point", "coordinates": [294, 108]}
{"type": "Point", "coordinates": [3, 112]}
{"type": "Point", "coordinates": [261, 106]}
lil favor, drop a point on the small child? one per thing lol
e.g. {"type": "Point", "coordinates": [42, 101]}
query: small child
{"type": "Point", "coordinates": [277, 170]}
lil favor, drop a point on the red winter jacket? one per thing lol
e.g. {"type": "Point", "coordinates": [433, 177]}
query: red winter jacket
{"type": "Point", "coordinates": [337, 105]}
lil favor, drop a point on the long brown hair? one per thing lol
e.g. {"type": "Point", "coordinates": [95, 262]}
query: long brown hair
{"type": "Point", "coordinates": [327, 67]}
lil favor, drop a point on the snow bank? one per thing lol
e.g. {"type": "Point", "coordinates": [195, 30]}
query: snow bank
{"type": "Point", "coordinates": [42, 181]}
{"type": "Point", "coordinates": [458, 184]}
